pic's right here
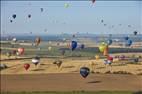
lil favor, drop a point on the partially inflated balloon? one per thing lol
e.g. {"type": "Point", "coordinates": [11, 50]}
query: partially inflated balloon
{"type": "Point", "coordinates": [59, 63]}
{"type": "Point", "coordinates": [97, 57]}
{"type": "Point", "coordinates": [37, 41]}
{"type": "Point", "coordinates": [73, 45]}
{"type": "Point", "coordinates": [26, 66]}
{"type": "Point", "coordinates": [36, 60]}
{"type": "Point", "coordinates": [8, 54]}
{"type": "Point", "coordinates": [20, 51]}
{"type": "Point", "coordinates": [84, 72]}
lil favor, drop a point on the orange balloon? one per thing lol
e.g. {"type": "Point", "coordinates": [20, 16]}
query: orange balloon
{"type": "Point", "coordinates": [105, 53]}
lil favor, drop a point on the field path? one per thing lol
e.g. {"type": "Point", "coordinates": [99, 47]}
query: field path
{"type": "Point", "coordinates": [70, 82]}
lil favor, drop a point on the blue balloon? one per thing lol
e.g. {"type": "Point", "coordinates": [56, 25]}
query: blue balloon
{"type": "Point", "coordinates": [128, 43]}
{"type": "Point", "coordinates": [126, 38]}
{"type": "Point", "coordinates": [84, 72]}
{"type": "Point", "coordinates": [109, 42]}
{"type": "Point", "coordinates": [73, 45]}
{"type": "Point", "coordinates": [82, 46]}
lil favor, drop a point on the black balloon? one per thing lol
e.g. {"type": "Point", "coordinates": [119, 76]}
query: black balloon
{"type": "Point", "coordinates": [14, 16]}
{"type": "Point", "coordinates": [29, 16]}
{"type": "Point", "coordinates": [84, 72]}
{"type": "Point", "coordinates": [11, 21]}
{"type": "Point", "coordinates": [135, 32]}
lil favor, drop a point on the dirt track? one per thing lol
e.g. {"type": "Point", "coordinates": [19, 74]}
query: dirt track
{"type": "Point", "coordinates": [70, 82]}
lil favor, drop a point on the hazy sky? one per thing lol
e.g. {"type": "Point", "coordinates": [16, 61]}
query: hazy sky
{"type": "Point", "coordinates": [80, 16]}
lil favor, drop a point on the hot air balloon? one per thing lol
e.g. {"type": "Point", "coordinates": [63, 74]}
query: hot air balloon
{"type": "Point", "coordinates": [105, 24]}
{"type": "Point", "coordinates": [135, 32]}
{"type": "Point", "coordinates": [29, 16]}
{"type": "Point", "coordinates": [20, 51]}
{"type": "Point", "coordinates": [59, 63]}
{"type": "Point", "coordinates": [97, 57]}
{"type": "Point", "coordinates": [66, 5]}
{"type": "Point", "coordinates": [93, 1]}
{"type": "Point", "coordinates": [126, 38]}
{"type": "Point", "coordinates": [63, 52]}
{"type": "Point", "coordinates": [37, 41]}
{"type": "Point", "coordinates": [8, 54]}
{"type": "Point", "coordinates": [49, 48]}
{"type": "Point", "coordinates": [84, 71]}
{"type": "Point", "coordinates": [73, 35]}
{"type": "Point", "coordinates": [122, 57]}
{"type": "Point", "coordinates": [109, 42]}
{"type": "Point", "coordinates": [129, 25]}
{"type": "Point", "coordinates": [11, 21]}
{"type": "Point", "coordinates": [26, 66]}
{"type": "Point", "coordinates": [82, 46]}
{"type": "Point", "coordinates": [14, 16]}
{"type": "Point", "coordinates": [110, 58]}
{"type": "Point", "coordinates": [14, 52]}
{"type": "Point", "coordinates": [41, 9]}
{"type": "Point", "coordinates": [102, 21]}
{"type": "Point", "coordinates": [3, 66]}
{"type": "Point", "coordinates": [14, 39]}
{"type": "Point", "coordinates": [102, 46]}
{"type": "Point", "coordinates": [128, 42]}
{"type": "Point", "coordinates": [73, 45]}
{"type": "Point", "coordinates": [105, 52]}
{"type": "Point", "coordinates": [36, 60]}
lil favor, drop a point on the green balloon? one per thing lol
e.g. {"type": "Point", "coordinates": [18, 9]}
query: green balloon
{"type": "Point", "coordinates": [102, 46]}
{"type": "Point", "coordinates": [66, 5]}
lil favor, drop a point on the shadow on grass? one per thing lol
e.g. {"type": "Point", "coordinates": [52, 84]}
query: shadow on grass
{"type": "Point", "coordinates": [94, 82]}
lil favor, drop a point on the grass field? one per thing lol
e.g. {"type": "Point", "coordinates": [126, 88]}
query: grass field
{"type": "Point", "coordinates": [76, 92]}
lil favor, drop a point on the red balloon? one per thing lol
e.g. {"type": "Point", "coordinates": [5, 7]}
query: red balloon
{"type": "Point", "coordinates": [26, 66]}
{"type": "Point", "coordinates": [110, 58]}
{"type": "Point", "coordinates": [20, 50]}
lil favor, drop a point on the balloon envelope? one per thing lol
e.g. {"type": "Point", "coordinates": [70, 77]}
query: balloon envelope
{"type": "Point", "coordinates": [126, 38]}
{"type": "Point", "coordinates": [135, 32]}
{"type": "Point", "coordinates": [14, 16]}
{"type": "Point", "coordinates": [73, 45]}
{"type": "Point", "coordinates": [20, 50]}
{"type": "Point", "coordinates": [93, 1]}
{"type": "Point", "coordinates": [109, 42]}
{"type": "Point", "coordinates": [26, 66]}
{"type": "Point", "coordinates": [37, 41]}
{"type": "Point", "coordinates": [36, 60]}
{"type": "Point", "coordinates": [82, 46]}
{"type": "Point", "coordinates": [84, 72]}
{"type": "Point", "coordinates": [128, 43]}
{"type": "Point", "coordinates": [66, 5]}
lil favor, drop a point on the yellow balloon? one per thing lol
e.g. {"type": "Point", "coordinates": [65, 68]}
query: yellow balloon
{"type": "Point", "coordinates": [97, 57]}
{"type": "Point", "coordinates": [49, 48]}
